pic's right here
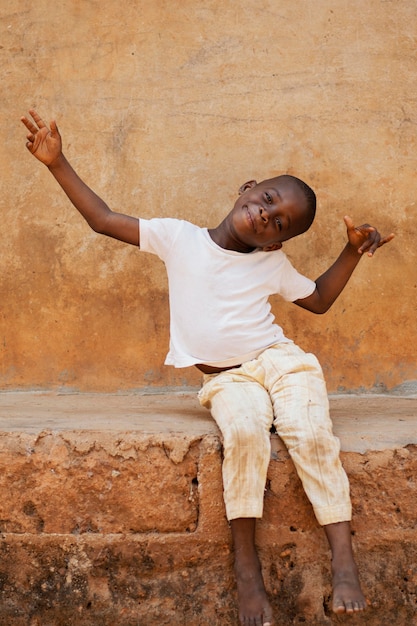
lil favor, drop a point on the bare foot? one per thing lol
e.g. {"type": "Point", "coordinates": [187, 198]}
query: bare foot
{"type": "Point", "coordinates": [347, 592]}
{"type": "Point", "coordinates": [254, 607]}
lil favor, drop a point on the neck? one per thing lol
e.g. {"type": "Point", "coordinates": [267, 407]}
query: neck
{"type": "Point", "coordinates": [224, 238]}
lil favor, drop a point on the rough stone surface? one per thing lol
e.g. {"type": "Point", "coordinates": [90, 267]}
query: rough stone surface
{"type": "Point", "coordinates": [111, 513]}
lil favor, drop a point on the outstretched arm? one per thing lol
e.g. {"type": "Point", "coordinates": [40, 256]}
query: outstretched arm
{"type": "Point", "coordinates": [46, 145]}
{"type": "Point", "coordinates": [361, 240]}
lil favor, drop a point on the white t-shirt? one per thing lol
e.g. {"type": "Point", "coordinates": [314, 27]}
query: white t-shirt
{"type": "Point", "coordinates": [219, 309]}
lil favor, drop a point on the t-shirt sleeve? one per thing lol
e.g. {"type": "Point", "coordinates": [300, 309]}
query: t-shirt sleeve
{"type": "Point", "coordinates": [294, 285]}
{"type": "Point", "coordinates": [158, 235]}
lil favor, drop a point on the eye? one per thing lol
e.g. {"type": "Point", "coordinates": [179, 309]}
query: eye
{"type": "Point", "coordinates": [279, 223]}
{"type": "Point", "coordinates": [268, 198]}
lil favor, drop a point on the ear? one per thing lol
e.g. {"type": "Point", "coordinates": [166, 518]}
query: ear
{"type": "Point", "coordinates": [246, 186]}
{"type": "Point", "coordinates": [273, 246]}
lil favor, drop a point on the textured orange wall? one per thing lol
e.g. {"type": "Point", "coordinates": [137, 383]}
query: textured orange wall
{"type": "Point", "coordinates": [165, 109]}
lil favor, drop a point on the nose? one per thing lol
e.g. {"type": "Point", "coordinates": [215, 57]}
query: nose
{"type": "Point", "coordinates": [264, 215]}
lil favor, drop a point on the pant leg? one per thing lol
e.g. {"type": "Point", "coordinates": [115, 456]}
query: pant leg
{"type": "Point", "coordinates": [242, 410]}
{"type": "Point", "coordinates": [301, 418]}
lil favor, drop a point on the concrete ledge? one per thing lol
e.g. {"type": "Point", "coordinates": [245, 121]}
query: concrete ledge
{"type": "Point", "coordinates": [111, 513]}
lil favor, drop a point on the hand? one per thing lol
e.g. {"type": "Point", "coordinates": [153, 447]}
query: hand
{"type": "Point", "coordinates": [365, 238]}
{"type": "Point", "coordinates": [44, 143]}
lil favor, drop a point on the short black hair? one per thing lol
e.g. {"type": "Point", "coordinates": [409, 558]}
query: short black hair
{"type": "Point", "coordinates": [309, 194]}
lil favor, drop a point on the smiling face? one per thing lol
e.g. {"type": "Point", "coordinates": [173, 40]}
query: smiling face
{"type": "Point", "coordinates": [267, 214]}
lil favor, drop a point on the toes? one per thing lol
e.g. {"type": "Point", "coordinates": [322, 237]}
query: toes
{"type": "Point", "coordinates": [348, 607]}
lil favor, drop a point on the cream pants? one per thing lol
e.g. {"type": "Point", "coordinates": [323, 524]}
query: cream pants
{"type": "Point", "coordinates": [285, 387]}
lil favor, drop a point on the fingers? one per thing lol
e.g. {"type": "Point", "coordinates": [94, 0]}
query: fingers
{"type": "Point", "coordinates": [29, 143]}
{"type": "Point", "coordinates": [374, 242]}
{"type": "Point", "coordinates": [40, 138]}
{"type": "Point", "coordinates": [368, 234]}
{"type": "Point", "coordinates": [39, 121]}
{"type": "Point", "coordinates": [29, 125]}
{"type": "Point", "coordinates": [31, 135]}
{"type": "Point", "coordinates": [372, 239]}
{"type": "Point", "coordinates": [386, 239]}
{"type": "Point", "coordinates": [366, 237]}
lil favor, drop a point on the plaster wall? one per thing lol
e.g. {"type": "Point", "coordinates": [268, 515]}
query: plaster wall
{"type": "Point", "coordinates": [166, 108]}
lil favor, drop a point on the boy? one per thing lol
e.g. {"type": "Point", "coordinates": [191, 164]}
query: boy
{"type": "Point", "coordinates": [254, 377]}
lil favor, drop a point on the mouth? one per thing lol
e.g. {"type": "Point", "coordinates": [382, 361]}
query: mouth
{"type": "Point", "coordinates": [250, 219]}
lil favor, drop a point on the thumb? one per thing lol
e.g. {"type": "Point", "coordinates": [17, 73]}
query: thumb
{"type": "Point", "coordinates": [349, 222]}
{"type": "Point", "coordinates": [54, 128]}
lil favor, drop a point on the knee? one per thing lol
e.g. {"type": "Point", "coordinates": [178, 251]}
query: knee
{"type": "Point", "coordinates": [245, 433]}
{"type": "Point", "coordinates": [315, 445]}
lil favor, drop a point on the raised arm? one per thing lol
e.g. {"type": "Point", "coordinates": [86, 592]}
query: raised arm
{"type": "Point", "coordinates": [46, 145]}
{"type": "Point", "coordinates": [362, 239]}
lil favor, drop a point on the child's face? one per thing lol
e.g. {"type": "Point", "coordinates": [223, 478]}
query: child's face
{"type": "Point", "coordinates": [268, 213]}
